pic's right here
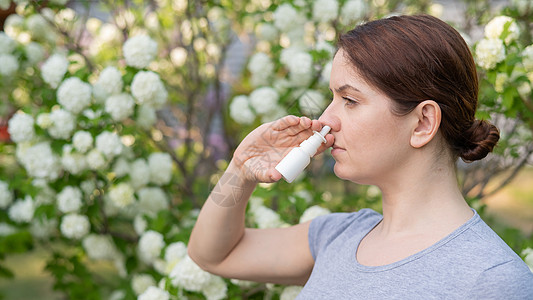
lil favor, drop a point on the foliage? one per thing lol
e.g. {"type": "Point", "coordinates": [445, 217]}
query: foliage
{"type": "Point", "coordinates": [114, 165]}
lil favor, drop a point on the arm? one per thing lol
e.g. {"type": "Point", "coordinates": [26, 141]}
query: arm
{"type": "Point", "coordinates": [222, 245]}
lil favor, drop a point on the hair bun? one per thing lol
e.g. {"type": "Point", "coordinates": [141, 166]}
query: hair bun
{"type": "Point", "coordinates": [480, 139]}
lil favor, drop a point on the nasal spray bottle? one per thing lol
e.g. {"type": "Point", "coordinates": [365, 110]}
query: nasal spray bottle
{"type": "Point", "coordinates": [298, 158]}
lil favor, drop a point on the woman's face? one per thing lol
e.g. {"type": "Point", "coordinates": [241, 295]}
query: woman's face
{"type": "Point", "coordinates": [371, 143]}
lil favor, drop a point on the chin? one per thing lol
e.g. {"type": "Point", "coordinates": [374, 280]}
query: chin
{"type": "Point", "coordinates": [351, 175]}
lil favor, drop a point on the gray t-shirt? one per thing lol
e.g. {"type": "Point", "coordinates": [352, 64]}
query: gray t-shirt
{"type": "Point", "coordinates": [470, 263]}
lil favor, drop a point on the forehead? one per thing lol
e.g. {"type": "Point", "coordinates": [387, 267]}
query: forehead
{"type": "Point", "coordinates": [343, 72]}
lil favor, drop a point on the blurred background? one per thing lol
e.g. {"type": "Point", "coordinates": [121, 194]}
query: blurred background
{"type": "Point", "coordinates": [118, 117]}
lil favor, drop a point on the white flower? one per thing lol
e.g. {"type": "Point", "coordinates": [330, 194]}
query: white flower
{"type": "Point", "coordinates": [300, 63]}
{"type": "Point", "coordinates": [175, 252]}
{"type": "Point", "coordinates": [216, 289]}
{"type": "Point", "coordinates": [34, 52]}
{"type": "Point", "coordinates": [42, 228]}
{"type": "Point", "coordinates": [160, 165]}
{"type": "Point", "coordinates": [188, 275]}
{"type": "Point", "coordinates": [261, 67]}
{"type": "Point", "coordinates": [22, 210]}
{"type": "Point", "coordinates": [527, 58]}
{"type": "Point", "coordinates": [119, 106]}
{"type": "Point", "coordinates": [312, 102]}
{"type": "Point", "coordinates": [99, 247]}
{"type": "Point", "coordinates": [109, 144]}
{"type": "Point", "coordinates": [6, 229]}
{"type": "Point", "coordinates": [495, 28]}
{"type": "Point", "coordinates": [88, 186]}
{"type": "Point", "coordinates": [20, 127]}
{"type": "Point", "coordinates": [240, 111]}
{"type": "Point", "coordinates": [325, 46]}
{"type": "Point", "coordinates": [154, 293]}
{"type": "Point", "coordinates": [6, 196]}
{"type": "Point", "coordinates": [44, 121]}
{"type": "Point", "coordinates": [326, 73]}
{"type": "Point", "coordinates": [264, 99]}
{"type": "Point", "coordinates": [139, 51]}
{"type": "Point", "coordinates": [499, 82]}
{"type": "Point", "coordinates": [95, 160]}
{"type": "Point", "coordinates": [523, 6]}
{"type": "Point", "coordinates": [14, 23]}
{"type": "Point", "coordinates": [290, 292]}
{"type": "Point", "coordinates": [150, 245]}
{"type": "Point", "coordinates": [39, 160]}
{"type": "Point", "coordinates": [267, 32]}
{"type": "Point", "coordinates": [277, 112]}
{"type": "Point", "coordinates": [73, 162]}
{"type": "Point", "coordinates": [69, 199]}
{"type": "Point", "coordinates": [146, 116]}
{"type": "Point", "coordinates": [353, 10]}
{"type": "Point", "coordinates": [260, 63]}
{"type": "Point", "coordinates": [265, 217]}
{"type": "Point", "coordinates": [139, 224]}
{"type": "Point", "coordinates": [53, 69]}
{"type": "Point", "coordinates": [9, 64]}
{"type": "Point", "coordinates": [140, 282]}
{"type": "Point", "coordinates": [110, 81]}
{"type": "Point", "coordinates": [38, 26]}
{"type": "Point", "coordinates": [528, 253]}
{"type": "Point", "coordinates": [325, 10]}
{"type": "Point", "coordinates": [313, 212]}
{"type": "Point", "coordinates": [121, 195]}
{"type": "Point", "coordinates": [489, 52]}
{"type": "Point", "coordinates": [74, 226]}
{"type": "Point", "coordinates": [82, 141]}
{"type": "Point", "coordinates": [74, 94]}
{"type": "Point", "coordinates": [139, 173]}
{"type": "Point", "coordinates": [7, 44]}
{"type": "Point", "coordinates": [284, 17]}
{"type": "Point", "coordinates": [147, 88]}
{"type": "Point", "coordinates": [152, 200]}
{"type": "Point", "coordinates": [121, 167]}
{"type": "Point", "coordinates": [63, 123]}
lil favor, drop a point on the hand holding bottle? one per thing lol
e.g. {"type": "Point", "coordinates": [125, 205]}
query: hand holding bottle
{"type": "Point", "coordinates": [260, 152]}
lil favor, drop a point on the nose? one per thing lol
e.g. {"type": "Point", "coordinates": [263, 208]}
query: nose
{"type": "Point", "coordinates": [330, 117]}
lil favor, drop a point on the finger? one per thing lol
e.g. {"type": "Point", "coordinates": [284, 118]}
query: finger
{"type": "Point", "coordinates": [330, 139]}
{"type": "Point", "coordinates": [304, 124]}
{"type": "Point", "coordinates": [274, 175]}
{"type": "Point", "coordinates": [285, 122]}
{"type": "Point", "coordinates": [316, 125]}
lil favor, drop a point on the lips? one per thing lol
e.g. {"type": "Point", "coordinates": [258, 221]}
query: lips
{"type": "Point", "coordinates": [336, 149]}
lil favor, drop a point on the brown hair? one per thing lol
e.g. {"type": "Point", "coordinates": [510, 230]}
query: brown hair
{"type": "Point", "coordinates": [416, 58]}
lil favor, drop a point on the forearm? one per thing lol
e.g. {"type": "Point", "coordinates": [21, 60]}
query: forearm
{"type": "Point", "coordinates": [220, 224]}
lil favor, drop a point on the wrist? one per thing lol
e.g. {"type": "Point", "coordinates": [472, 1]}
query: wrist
{"type": "Point", "coordinates": [240, 171]}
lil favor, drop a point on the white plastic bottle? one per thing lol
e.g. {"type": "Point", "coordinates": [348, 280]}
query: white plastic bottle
{"type": "Point", "coordinates": [298, 158]}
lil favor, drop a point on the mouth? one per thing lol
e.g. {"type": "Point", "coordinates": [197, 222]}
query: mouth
{"type": "Point", "coordinates": [337, 147]}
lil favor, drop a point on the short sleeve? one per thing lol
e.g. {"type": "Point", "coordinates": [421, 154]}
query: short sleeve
{"type": "Point", "coordinates": [324, 229]}
{"type": "Point", "coordinates": [510, 280]}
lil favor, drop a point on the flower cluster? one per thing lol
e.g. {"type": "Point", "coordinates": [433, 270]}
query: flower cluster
{"type": "Point", "coordinates": [285, 77]}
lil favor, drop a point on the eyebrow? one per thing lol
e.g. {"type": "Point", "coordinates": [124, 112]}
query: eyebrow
{"type": "Point", "coordinates": [346, 87]}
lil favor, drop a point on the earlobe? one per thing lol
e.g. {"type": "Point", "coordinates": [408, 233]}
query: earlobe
{"type": "Point", "coordinates": [428, 115]}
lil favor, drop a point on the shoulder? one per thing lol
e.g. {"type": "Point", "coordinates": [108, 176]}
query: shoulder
{"type": "Point", "coordinates": [508, 280]}
{"type": "Point", "coordinates": [327, 228]}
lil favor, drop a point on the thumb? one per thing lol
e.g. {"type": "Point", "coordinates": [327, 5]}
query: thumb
{"type": "Point", "coordinates": [274, 175]}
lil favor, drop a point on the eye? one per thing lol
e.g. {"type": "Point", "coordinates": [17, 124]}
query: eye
{"type": "Point", "coordinates": [349, 102]}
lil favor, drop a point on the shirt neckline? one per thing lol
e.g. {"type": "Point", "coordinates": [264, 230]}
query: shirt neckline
{"type": "Point", "coordinates": [474, 219]}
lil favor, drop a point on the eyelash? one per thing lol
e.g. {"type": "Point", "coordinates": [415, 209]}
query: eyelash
{"type": "Point", "coordinates": [349, 102]}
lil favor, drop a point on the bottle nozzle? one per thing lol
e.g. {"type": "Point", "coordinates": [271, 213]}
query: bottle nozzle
{"type": "Point", "coordinates": [325, 130]}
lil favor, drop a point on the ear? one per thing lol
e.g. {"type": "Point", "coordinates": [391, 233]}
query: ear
{"type": "Point", "coordinates": [428, 117]}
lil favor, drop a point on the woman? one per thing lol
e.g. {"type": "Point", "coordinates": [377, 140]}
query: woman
{"type": "Point", "coordinates": [404, 98]}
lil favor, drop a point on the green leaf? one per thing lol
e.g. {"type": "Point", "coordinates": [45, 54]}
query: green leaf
{"type": "Point", "coordinates": [5, 272]}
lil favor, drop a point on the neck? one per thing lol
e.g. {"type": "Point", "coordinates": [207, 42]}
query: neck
{"type": "Point", "coordinates": [426, 198]}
